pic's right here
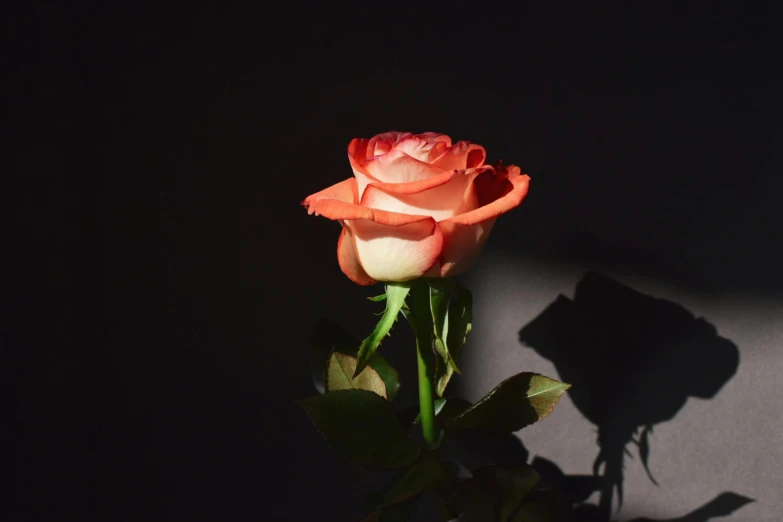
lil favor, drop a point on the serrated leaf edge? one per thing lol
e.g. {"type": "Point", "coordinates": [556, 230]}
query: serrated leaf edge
{"type": "Point", "coordinates": [564, 387]}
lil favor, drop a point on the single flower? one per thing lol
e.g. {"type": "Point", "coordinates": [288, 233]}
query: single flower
{"type": "Point", "coordinates": [417, 205]}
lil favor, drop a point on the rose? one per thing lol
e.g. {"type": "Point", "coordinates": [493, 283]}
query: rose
{"type": "Point", "coordinates": [417, 205]}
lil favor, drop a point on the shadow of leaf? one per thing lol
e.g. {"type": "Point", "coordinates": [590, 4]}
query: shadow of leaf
{"type": "Point", "coordinates": [721, 506]}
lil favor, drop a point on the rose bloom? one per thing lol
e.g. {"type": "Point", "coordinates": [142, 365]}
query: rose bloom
{"type": "Point", "coordinates": [417, 205]}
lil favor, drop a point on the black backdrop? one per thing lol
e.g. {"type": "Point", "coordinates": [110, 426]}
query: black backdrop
{"type": "Point", "coordinates": [156, 340]}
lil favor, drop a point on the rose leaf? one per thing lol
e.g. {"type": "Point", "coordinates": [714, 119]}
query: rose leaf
{"type": "Point", "coordinates": [341, 368]}
{"type": "Point", "coordinates": [327, 338]}
{"type": "Point", "coordinates": [361, 426]}
{"type": "Point", "coordinates": [454, 335]}
{"type": "Point", "coordinates": [515, 403]}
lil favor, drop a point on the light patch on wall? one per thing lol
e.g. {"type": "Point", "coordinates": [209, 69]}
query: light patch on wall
{"type": "Point", "coordinates": [709, 445]}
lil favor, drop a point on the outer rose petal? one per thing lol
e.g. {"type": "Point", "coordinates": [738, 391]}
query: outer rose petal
{"type": "Point", "coordinates": [509, 194]}
{"type": "Point", "coordinates": [337, 203]}
{"type": "Point", "coordinates": [349, 261]}
{"type": "Point", "coordinates": [466, 234]}
{"type": "Point", "coordinates": [462, 245]}
{"type": "Point", "coordinates": [343, 191]}
{"type": "Point", "coordinates": [396, 253]}
{"type": "Point", "coordinates": [376, 244]}
{"type": "Point", "coordinates": [450, 196]}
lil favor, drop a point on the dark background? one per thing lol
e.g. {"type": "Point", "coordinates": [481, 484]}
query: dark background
{"type": "Point", "coordinates": [162, 277]}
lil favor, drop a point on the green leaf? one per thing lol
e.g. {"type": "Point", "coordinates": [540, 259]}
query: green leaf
{"type": "Point", "coordinates": [377, 298]}
{"type": "Point", "coordinates": [361, 426]}
{"type": "Point", "coordinates": [341, 368]}
{"type": "Point", "coordinates": [395, 298]}
{"type": "Point", "coordinates": [424, 475]}
{"type": "Point", "coordinates": [440, 296]}
{"type": "Point", "coordinates": [457, 327]}
{"type": "Point", "coordinates": [327, 337]}
{"type": "Point", "coordinates": [391, 379]}
{"type": "Point", "coordinates": [515, 403]}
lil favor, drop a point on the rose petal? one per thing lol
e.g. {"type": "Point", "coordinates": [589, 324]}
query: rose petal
{"type": "Point", "coordinates": [440, 197]}
{"type": "Point", "coordinates": [462, 245]}
{"type": "Point", "coordinates": [342, 191]}
{"type": "Point", "coordinates": [357, 156]}
{"type": "Point", "coordinates": [421, 149]}
{"type": "Point", "coordinates": [349, 261]}
{"type": "Point", "coordinates": [357, 150]}
{"type": "Point", "coordinates": [396, 253]}
{"type": "Point", "coordinates": [465, 234]}
{"type": "Point", "coordinates": [362, 180]}
{"type": "Point", "coordinates": [383, 143]}
{"type": "Point", "coordinates": [477, 155]}
{"type": "Point", "coordinates": [496, 197]}
{"type": "Point", "coordinates": [362, 152]}
{"type": "Point", "coordinates": [398, 167]}
{"type": "Point", "coordinates": [434, 137]}
{"type": "Point", "coordinates": [337, 203]}
{"type": "Point", "coordinates": [461, 155]}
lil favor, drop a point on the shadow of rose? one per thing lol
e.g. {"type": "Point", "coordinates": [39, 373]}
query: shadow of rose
{"type": "Point", "coordinates": [633, 361]}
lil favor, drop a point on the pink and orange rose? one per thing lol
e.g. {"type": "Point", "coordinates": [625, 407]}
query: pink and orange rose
{"type": "Point", "coordinates": [418, 205]}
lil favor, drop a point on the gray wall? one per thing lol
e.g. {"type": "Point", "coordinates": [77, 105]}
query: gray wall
{"type": "Point", "coordinates": [726, 442]}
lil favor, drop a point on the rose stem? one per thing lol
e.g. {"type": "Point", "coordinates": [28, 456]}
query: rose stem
{"type": "Point", "coordinates": [422, 327]}
{"type": "Point", "coordinates": [426, 405]}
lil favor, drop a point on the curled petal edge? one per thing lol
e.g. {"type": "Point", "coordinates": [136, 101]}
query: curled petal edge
{"type": "Point", "coordinates": [520, 183]}
{"type": "Point", "coordinates": [337, 203]}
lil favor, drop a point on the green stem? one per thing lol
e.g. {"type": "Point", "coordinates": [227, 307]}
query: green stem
{"type": "Point", "coordinates": [420, 318]}
{"type": "Point", "coordinates": [426, 403]}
